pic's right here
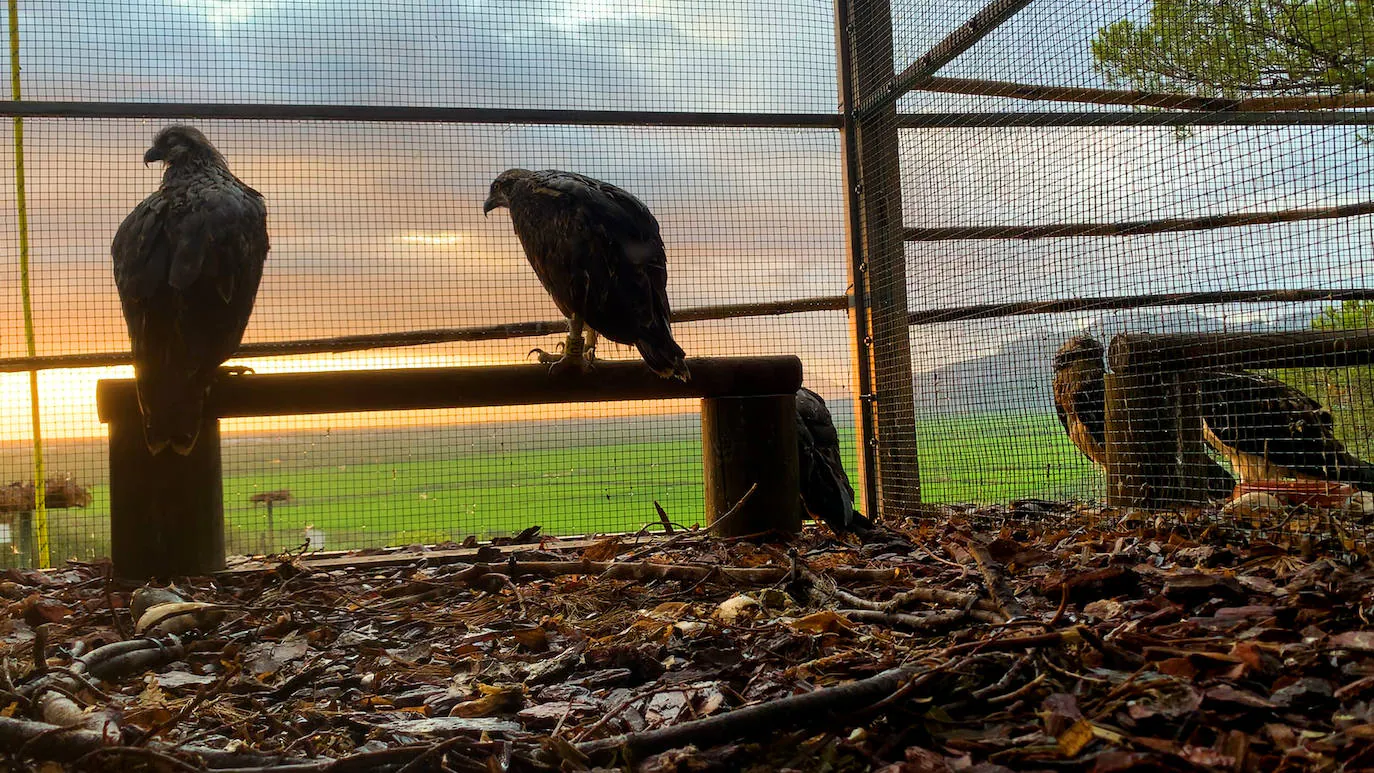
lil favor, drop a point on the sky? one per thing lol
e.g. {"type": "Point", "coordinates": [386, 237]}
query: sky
{"type": "Point", "coordinates": [378, 227]}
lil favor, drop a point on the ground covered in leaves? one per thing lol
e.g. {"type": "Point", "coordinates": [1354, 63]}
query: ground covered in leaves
{"type": "Point", "coordinates": [1048, 638]}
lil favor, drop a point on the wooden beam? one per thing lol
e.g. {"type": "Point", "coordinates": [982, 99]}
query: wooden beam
{"type": "Point", "coordinates": [412, 389]}
{"type": "Point", "coordinates": [749, 459]}
{"type": "Point", "coordinates": [883, 264]}
{"type": "Point", "coordinates": [1138, 227]}
{"type": "Point", "coordinates": [1299, 349]}
{"type": "Point", "coordinates": [166, 511]}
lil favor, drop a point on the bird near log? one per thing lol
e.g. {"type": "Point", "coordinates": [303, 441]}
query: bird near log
{"type": "Point", "coordinates": [598, 252]}
{"type": "Point", "coordinates": [187, 263]}
{"type": "Point", "coordinates": [1080, 396]}
{"type": "Point", "coordinates": [825, 490]}
{"type": "Point", "coordinates": [1270, 430]}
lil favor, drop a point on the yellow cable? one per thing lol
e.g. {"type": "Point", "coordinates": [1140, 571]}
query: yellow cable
{"type": "Point", "coordinates": [40, 504]}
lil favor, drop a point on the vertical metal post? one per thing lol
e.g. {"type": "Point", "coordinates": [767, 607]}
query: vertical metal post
{"type": "Point", "coordinates": [862, 386]}
{"type": "Point", "coordinates": [40, 510]}
{"type": "Point", "coordinates": [883, 340]}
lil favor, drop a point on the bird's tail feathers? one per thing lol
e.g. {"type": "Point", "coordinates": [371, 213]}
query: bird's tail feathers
{"type": "Point", "coordinates": [665, 358]}
{"type": "Point", "coordinates": [172, 414]}
{"type": "Point", "coordinates": [1357, 473]}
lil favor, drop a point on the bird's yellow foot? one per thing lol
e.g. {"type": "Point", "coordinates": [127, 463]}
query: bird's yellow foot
{"type": "Point", "coordinates": [569, 363]}
{"type": "Point", "coordinates": [546, 357]}
{"type": "Point", "coordinates": [235, 370]}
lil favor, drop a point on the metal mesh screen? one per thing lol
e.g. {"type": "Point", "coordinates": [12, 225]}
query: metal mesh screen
{"type": "Point", "coordinates": [1053, 184]}
{"type": "Point", "coordinates": [377, 228]}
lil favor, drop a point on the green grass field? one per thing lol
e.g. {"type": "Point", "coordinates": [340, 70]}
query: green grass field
{"type": "Point", "coordinates": [368, 488]}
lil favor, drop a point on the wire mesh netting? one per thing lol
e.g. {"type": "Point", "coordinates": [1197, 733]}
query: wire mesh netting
{"type": "Point", "coordinates": [377, 227]}
{"type": "Point", "coordinates": [1011, 175]}
{"type": "Point", "coordinates": [1051, 188]}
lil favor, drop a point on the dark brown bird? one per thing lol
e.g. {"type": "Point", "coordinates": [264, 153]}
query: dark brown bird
{"type": "Point", "coordinates": [598, 253]}
{"type": "Point", "coordinates": [187, 263]}
{"type": "Point", "coordinates": [1269, 430]}
{"type": "Point", "coordinates": [1080, 402]}
{"type": "Point", "coordinates": [825, 489]}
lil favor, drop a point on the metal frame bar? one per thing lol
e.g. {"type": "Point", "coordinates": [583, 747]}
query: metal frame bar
{"type": "Point", "coordinates": [1121, 302]}
{"type": "Point", "coordinates": [1138, 227]}
{"type": "Point", "coordinates": [354, 343]}
{"type": "Point", "coordinates": [978, 87]}
{"type": "Point", "coordinates": [864, 417]}
{"type": "Point", "coordinates": [1078, 119]}
{"type": "Point", "coordinates": [417, 114]}
{"type": "Point", "coordinates": [979, 26]}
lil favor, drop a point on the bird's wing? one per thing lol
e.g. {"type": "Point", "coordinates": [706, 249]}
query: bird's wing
{"type": "Point", "coordinates": [141, 251]}
{"type": "Point", "coordinates": [1258, 416]}
{"type": "Point", "coordinates": [1079, 402]}
{"type": "Point", "coordinates": [220, 226]}
{"type": "Point", "coordinates": [825, 487]}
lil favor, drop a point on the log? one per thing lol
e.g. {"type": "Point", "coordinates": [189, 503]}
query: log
{"type": "Point", "coordinates": [1298, 349]}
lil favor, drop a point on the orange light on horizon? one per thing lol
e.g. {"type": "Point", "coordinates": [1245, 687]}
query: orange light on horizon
{"type": "Point", "coordinates": [68, 410]}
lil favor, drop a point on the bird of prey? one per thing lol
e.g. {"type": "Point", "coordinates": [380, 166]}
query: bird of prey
{"type": "Point", "coordinates": [598, 253]}
{"type": "Point", "coordinates": [825, 490]}
{"type": "Point", "coordinates": [1269, 430]}
{"type": "Point", "coordinates": [1080, 402]}
{"type": "Point", "coordinates": [187, 262]}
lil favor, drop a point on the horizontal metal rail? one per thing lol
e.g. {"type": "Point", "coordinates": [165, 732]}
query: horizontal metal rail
{"type": "Point", "coordinates": [1062, 306]}
{"type": "Point", "coordinates": [964, 37]}
{"type": "Point", "coordinates": [977, 87]}
{"type": "Point", "coordinates": [1138, 227]}
{"type": "Point", "coordinates": [418, 114]}
{"type": "Point", "coordinates": [354, 343]}
{"type": "Point", "coordinates": [1059, 119]}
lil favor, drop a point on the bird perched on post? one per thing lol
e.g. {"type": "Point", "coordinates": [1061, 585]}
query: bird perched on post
{"type": "Point", "coordinates": [187, 263]}
{"type": "Point", "coordinates": [1269, 430]}
{"type": "Point", "coordinates": [825, 490]}
{"type": "Point", "coordinates": [598, 253]}
{"type": "Point", "coordinates": [1080, 396]}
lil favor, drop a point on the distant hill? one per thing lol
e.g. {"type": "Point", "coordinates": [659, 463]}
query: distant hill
{"type": "Point", "coordinates": [1016, 377]}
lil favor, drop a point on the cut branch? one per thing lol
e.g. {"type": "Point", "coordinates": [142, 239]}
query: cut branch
{"type": "Point", "coordinates": [1136, 228]}
{"type": "Point", "coordinates": [995, 578]}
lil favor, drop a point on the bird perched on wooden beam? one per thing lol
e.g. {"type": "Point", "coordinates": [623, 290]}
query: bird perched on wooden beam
{"type": "Point", "coordinates": [1269, 430]}
{"type": "Point", "coordinates": [1080, 396]}
{"type": "Point", "coordinates": [825, 490]}
{"type": "Point", "coordinates": [598, 253]}
{"type": "Point", "coordinates": [187, 263]}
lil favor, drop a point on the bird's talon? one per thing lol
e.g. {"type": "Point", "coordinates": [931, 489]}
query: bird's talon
{"type": "Point", "coordinates": [235, 370]}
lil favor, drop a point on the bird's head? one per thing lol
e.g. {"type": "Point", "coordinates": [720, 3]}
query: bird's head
{"type": "Point", "coordinates": [178, 144]}
{"type": "Point", "coordinates": [503, 187]}
{"type": "Point", "coordinates": [1079, 349]}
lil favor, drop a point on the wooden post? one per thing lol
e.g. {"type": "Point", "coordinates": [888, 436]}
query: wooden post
{"type": "Point", "coordinates": [1155, 448]}
{"type": "Point", "coordinates": [748, 441]}
{"type": "Point", "coordinates": [882, 281]}
{"type": "Point", "coordinates": [166, 511]}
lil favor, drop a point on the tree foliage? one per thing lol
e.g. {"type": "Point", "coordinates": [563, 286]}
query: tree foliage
{"type": "Point", "coordinates": [1233, 47]}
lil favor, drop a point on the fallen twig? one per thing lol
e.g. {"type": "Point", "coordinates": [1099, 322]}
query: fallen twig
{"type": "Point", "coordinates": [995, 579]}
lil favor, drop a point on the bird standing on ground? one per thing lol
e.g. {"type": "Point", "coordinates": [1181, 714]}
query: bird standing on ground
{"type": "Point", "coordinates": [825, 490]}
{"type": "Point", "coordinates": [1080, 396]}
{"type": "Point", "coordinates": [598, 253]}
{"type": "Point", "coordinates": [1269, 430]}
{"type": "Point", "coordinates": [187, 263]}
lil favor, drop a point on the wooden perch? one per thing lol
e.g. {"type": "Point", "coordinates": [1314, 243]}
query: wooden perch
{"type": "Point", "coordinates": [1139, 352]}
{"type": "Point", "coordinates": [1138, 227]}
{"type": "Point", "coordinates": [989, 88]}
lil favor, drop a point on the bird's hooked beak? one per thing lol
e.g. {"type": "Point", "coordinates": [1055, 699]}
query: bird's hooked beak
{"type": "Point", "coordinates": [153, 154]}
{"type": "Point", "coordinates": [490, 204]}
